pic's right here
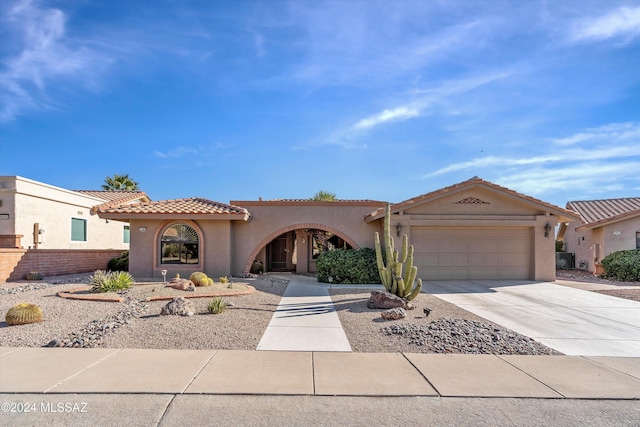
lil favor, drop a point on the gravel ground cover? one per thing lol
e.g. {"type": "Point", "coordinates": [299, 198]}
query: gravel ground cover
{"type": "Point", "coordinates": [446, 329]}
{"type": "Point", "coordinates": [627, 290]}
{"type": "Point", "coordinates": [136, 323]}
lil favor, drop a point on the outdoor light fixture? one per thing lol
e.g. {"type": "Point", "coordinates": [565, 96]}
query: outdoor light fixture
{"type": "Point", "coordinates": [399, 228]}
{"type": "Point", "coordinates": [142, 229]}
{"type": "Point", "coordinates": [547, 229]}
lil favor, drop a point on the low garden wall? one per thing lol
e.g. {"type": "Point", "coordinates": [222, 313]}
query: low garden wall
{"type": "Point", "coordinates": [15, 264]}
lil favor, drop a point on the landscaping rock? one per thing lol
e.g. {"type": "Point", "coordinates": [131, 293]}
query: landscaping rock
{"type": "Point", "coordinates": [385, 300]}
{"type": "Point", "coordinates": [394, 314]}
{"type": "Point", "coordinates": [178, 306]}
{"type": "Point", "coordinates": [182, 285]}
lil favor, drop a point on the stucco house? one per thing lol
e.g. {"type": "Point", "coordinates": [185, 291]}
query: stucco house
{"type": "Point", "coordinates": [45, 228]}
{"type": "Point", "coordinates": [604, 226]}
{"type": "Point", "coordinates": [471, 230]}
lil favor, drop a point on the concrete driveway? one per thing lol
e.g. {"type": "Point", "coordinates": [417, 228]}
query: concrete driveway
{"type": "Point", "coordinates": [572, 321]}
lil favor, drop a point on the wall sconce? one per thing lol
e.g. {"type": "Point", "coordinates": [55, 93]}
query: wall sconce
{"type": "Point", "coordinates": [547, 229]}
{"type": "Point", "coordinates": [399, 228]}
{"type": "Point", "coordinates": [106, 221]}
{"type": "Point", "coordinates": [142, 229]}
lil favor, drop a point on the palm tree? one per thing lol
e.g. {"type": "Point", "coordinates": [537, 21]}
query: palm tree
{"type": "Point", "coordinates": [324, 196]}
{"type": "Point", "coordinates": [119, 182]}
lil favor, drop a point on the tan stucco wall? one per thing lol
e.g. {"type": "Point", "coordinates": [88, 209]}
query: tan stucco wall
{"type": "Point", "coordinates": [613, 237]}
{"type": "Point", "coordinates": [29, 202]}
{"type": "Point", "coordinates": [215, 249]}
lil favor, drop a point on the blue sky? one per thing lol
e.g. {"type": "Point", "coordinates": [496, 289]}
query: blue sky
{"type": "Point", "coordinates": [385, 100]}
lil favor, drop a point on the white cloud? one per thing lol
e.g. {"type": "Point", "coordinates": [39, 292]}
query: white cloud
{"type": "Point", "coordinates": [623, 22]}
{"type": "Point", "coordinates": [46, 55]}
{"type": "Point", "coordinates": [606, 133]}
{"type": "Point", "coordinates": [400, 113]}
{"type": "Point", "coordinates": [197, 151]}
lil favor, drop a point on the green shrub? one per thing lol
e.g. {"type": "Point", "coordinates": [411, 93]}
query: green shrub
{"type": "Point", "coordinates": [559, 246]}
{"type": "Point", "coordinates": [120, 263]}
{"type": "Point", "coordinates": [110, 281]}
{"type": "Point", "coordinates": [217, 305]}
{"type": "Point", "coordinates": [622, 265]}
{"type": "Point", "coordinates": [348, 266]}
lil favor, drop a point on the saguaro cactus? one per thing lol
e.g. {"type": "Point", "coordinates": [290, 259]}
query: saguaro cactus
{"type": "Point", "coordinates": [396, 277]}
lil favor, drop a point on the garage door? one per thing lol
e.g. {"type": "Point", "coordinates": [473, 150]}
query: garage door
{"type": "Point", "coordinates": [472, 253]}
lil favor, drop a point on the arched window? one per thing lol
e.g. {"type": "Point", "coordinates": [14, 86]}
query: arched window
{"type": "Point", "coordinates": [179, 244]}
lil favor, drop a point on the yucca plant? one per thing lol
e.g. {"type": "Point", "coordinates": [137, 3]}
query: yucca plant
{"type": "Point", "coordinates": [217, 305]}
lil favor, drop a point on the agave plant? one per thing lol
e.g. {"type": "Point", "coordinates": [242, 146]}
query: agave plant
{"type": "Point", "coordinates": [110, 281]}
{"type": "Point", "coordinates": [217, 305]}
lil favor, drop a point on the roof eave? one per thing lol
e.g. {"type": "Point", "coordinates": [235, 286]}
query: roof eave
{"type": "Point", "coordinates": [121, 216]}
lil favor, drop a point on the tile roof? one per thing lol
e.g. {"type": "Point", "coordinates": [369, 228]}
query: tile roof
{"type": "Point", "coordinates": [564, 213]}
{"type": "Point", "coordinates": [598, 212]}
{"type": "Point", "coordinates": [188, 206]}
{"type": "Point", "coordinates": [114, 198]}
{"type": "Point", "coordinates": [113, 195]}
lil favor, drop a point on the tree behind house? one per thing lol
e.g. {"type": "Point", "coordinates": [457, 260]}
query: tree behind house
{"type": "Point", "coordinates": [324, 196]}
{"type": "Point", "coordinates": [119, 182]}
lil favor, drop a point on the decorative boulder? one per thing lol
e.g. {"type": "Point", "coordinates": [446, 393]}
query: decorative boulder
{"type": "Point", "coordinates": [178, 306]}
{"type": "Point", "coordinates": [394, 314]}
{"type": "Point", "coordinates": [182, 285]}
{"type": "Point", "coordinates": [385, 300]}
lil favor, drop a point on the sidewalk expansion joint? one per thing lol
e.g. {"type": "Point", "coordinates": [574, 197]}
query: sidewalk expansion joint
{"type": "Point", "coordinates": [82, 370]}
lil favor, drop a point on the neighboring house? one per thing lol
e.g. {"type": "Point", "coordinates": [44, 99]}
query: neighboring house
{"type": "Point", "coordinates": [472, 230]}
{"type": "Point", "coordinates": [35, 216]}
{"type": "Point", "coordinates": [604, 226]}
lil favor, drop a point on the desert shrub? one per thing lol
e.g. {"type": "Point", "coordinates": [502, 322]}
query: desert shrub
{"type": "Point", "coordinates": [110, 281]}
{"type": "Point", "coordinates": [200, 279]}
{"type": "Point", "coordinates": [348, 266]}
{"type": "Point", "coordinates": [224, 279]}
{"type": "Point", "coordinates": [23, 314]}
{"type": "Point", "coordinates": [217, 305]}
{"type": "Point", "coordinates": [559, 246]}
{"type": "Point", "coordinates": [120, 263]}
{"type": "Point", "coordinates": [622, 265]}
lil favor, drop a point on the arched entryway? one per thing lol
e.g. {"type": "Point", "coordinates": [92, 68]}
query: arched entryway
{"type": "Point", "coordinates": [296, 247]}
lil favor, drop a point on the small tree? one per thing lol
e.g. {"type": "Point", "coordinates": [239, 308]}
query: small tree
{"type": "Point", "coordinates": [119, 182]}
{"type": "Point", "coordinates": [324, 196]}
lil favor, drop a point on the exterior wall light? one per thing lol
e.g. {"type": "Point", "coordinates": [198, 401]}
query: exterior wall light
{"type": "Point", "coordinates": [399, 228]}
{"type": "Point", "coordinates": [547, 229]}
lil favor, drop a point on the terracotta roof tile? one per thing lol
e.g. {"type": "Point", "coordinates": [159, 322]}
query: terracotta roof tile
{"type": "Point", "coordinates": [598, 212]}
{"type": "Point", "coordinates": [114, 198]}
{"type": "Point", "coordinates": [188, 206]}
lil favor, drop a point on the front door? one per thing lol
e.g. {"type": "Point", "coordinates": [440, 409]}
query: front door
{"type": "Point", "coordinates": [277, 254]}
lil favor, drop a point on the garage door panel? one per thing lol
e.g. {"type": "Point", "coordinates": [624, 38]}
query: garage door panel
{"type": "Point", "coordinates": [459, 254]}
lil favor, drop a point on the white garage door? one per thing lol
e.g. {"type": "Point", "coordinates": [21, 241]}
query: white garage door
{"type": "Point", "coordinates": [472, 253]}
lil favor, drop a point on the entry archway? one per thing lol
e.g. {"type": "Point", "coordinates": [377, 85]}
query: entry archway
{"type": "Point", "coordinates": [264, 242]}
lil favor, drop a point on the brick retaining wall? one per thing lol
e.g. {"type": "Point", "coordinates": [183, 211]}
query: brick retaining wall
{"type": "Point", "coordinates": [15, 264]}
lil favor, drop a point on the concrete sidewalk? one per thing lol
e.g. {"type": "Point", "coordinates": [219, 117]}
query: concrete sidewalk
{"type": "Point", "coordinates": [103, 370]}
{"type": "Point", "coordinates": [305, 320]}
{"type": "Point", "coordinates": [69, 387]}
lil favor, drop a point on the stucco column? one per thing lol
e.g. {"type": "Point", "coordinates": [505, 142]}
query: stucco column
{"type": "Point", "coordinates": [302, 247]}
